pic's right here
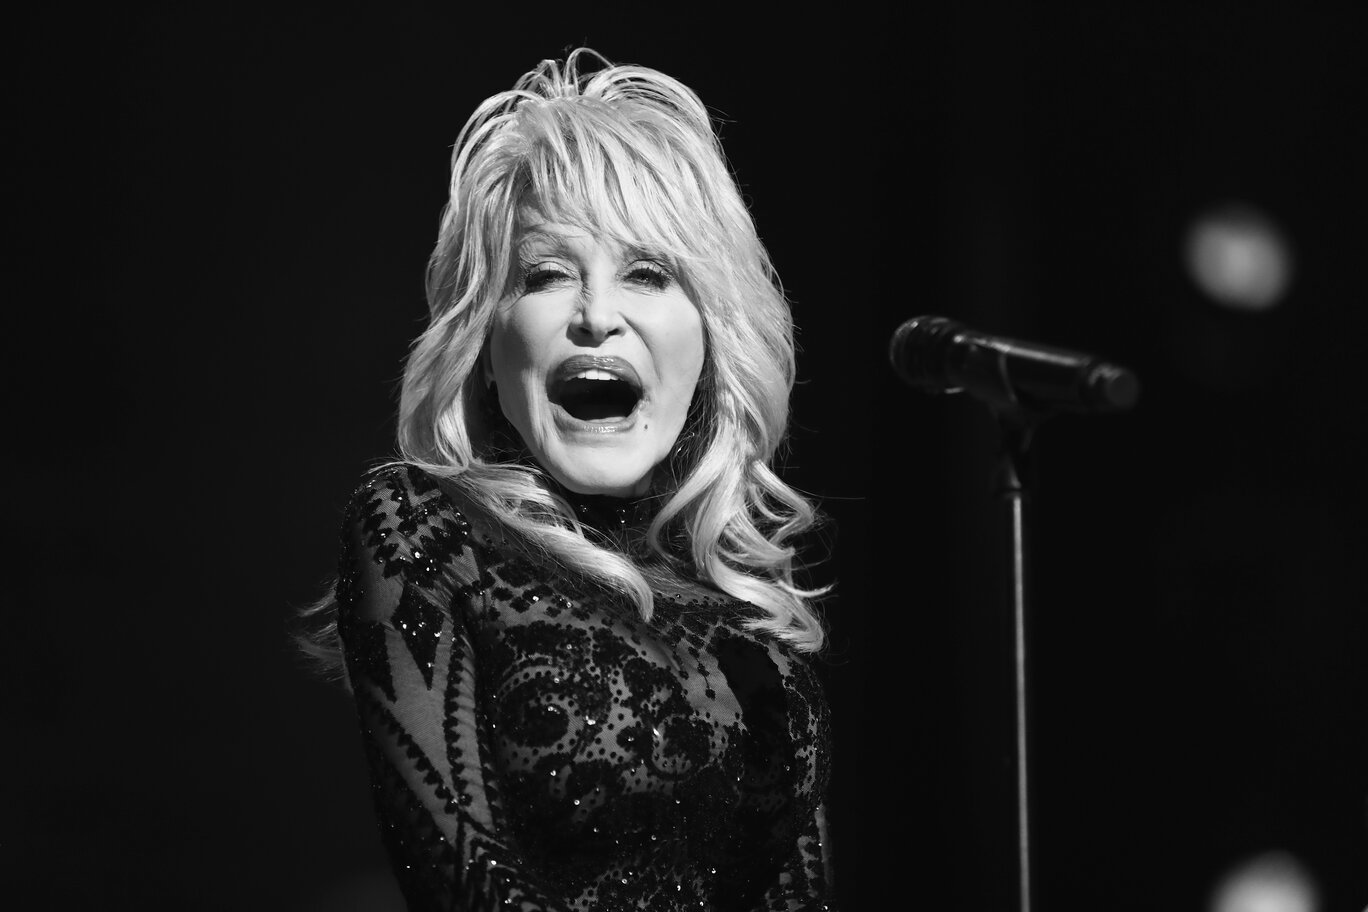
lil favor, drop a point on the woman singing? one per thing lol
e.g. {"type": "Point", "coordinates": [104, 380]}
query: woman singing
{"type": "Point", "coordinates": [568, 616]}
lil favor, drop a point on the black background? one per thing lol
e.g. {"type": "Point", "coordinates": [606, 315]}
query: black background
{"type": "Point", "coordinates": [216, 225]}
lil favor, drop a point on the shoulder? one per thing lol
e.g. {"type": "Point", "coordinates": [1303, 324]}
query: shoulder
{"type": "Point", "coordinates": [402, 498]}
{"type": "Point", "coordinates": [399, 511]}
{"type": "Point", "coordinates": [397, 484]}
{"type": "Point", "coordinates": [405, 540]}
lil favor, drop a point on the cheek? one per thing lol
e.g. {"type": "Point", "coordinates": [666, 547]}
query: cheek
{"type": "Point", "coordinates": [682, 353]}
{"type": "Point", "coordinates": [512, 363]}
{"type": "Point", "coordinates": [513, 348]}
{"type": "Point", "coordinates": [692, 349]}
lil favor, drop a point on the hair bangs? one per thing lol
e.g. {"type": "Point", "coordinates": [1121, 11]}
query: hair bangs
{"type": "Point", "coordinates": [617, 171]}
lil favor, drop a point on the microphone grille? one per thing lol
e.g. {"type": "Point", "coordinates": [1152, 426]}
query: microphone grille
{"type": "Point", "coordinates": [918, 351]}
{"type": "Point", "coordinates": [1111, 388]}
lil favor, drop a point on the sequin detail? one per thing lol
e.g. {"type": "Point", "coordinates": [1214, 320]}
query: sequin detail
{"type": "Point", "coordinates": [533, 744]}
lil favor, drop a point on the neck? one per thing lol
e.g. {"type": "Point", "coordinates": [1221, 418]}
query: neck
{"type": "Point", "coordinates": [623, 521]}
{"type": "Point", "coordinates": [617, 517]}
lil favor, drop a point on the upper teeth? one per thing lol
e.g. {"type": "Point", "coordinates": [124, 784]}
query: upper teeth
{"type": "Point", "coordinates": [594, 374]}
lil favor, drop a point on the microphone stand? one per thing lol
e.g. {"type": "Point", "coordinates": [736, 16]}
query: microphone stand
{"type": "Point", "coordinates": [1012, 473]}
{"type": "Point", "coordinates": [1023, 384]}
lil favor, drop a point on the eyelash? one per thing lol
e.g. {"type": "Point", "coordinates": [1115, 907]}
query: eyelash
{"type": "Point", "coordinates": [537, 276]}
{"type": "Point", "coordinates": [657, 275]}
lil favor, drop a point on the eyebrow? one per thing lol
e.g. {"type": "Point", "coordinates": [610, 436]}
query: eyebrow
{"type": "Point", "coordinates": [533, 235]}
{"type": "Point", "coordinates": [560, 244]}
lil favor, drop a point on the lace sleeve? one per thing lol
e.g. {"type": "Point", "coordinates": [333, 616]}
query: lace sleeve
{"type": "Point", "coordinates": [804, 877]}
{"type": "Point", "coordinates": [804, 883]}
{"type": "Point", "coordinates": [407, 573]}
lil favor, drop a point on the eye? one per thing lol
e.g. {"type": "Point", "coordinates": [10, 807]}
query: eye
{"type": "Point", "coordinates": [651, 274]}
{"type": "Point", "coordinates": [540, 276]}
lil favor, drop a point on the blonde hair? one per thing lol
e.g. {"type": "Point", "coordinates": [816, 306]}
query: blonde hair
{"type": "Point", "coordinates": [628, 153]}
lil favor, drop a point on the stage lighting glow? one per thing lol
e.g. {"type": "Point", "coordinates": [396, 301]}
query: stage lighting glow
{"type": "Point", "coordinates": [1273, 882]}
{"type": "Point", "coordinates": [1239, 257]}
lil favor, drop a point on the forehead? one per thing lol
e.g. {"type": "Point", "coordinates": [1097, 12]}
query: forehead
{"type": "Point", "coordinates": [535, 230]}
{"type": "Point", "coordinates": [628, 206]}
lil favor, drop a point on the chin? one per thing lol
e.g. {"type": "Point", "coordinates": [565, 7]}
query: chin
{"type": "Point", "coordinates": [603, 472]}
{"type": "Point", "coordinates": [615, 483]}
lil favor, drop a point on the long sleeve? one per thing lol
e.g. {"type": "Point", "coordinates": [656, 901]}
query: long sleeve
{"type": "Point", "coordinates": [407, 577]}
{"type": "Point", "coordinates": [804, 880]}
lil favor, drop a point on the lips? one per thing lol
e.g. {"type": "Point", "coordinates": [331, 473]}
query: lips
{"type": "Point", "coordinates": [599, 390]}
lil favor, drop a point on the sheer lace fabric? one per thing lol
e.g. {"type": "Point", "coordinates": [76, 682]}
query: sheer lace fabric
{"type": "Point", "coordinates": [534, 745]}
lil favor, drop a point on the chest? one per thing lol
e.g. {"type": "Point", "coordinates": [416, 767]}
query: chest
{"type": "Point", "coordinates": [588, 704]}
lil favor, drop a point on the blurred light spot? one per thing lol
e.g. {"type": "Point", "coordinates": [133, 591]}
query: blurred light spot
{"type": "Point", "coordinates": [1273, 882]}
{"type": "Point", "coordinates": [1239, 257]}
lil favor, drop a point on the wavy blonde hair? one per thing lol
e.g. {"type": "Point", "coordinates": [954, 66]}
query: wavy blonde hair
{"type": "Point", "coordinates": [628, 153]}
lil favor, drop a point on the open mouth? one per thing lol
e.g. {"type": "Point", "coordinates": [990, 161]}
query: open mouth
{"type": "Point", "coordinates": [597, 390]}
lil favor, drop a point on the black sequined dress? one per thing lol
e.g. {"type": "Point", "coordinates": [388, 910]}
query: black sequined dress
{"type": "Point", "coordinates": [534, 745]}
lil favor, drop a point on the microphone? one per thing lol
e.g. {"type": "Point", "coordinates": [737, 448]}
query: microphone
{"type": "Point", "coordinates": [938, 355]}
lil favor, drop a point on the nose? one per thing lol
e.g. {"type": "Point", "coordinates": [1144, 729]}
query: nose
{"type": "Point", "coordinates": [599, 316]}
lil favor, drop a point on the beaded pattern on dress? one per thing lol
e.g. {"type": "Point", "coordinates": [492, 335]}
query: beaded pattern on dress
{"type": "Point", "coordinates": [534, 744]}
